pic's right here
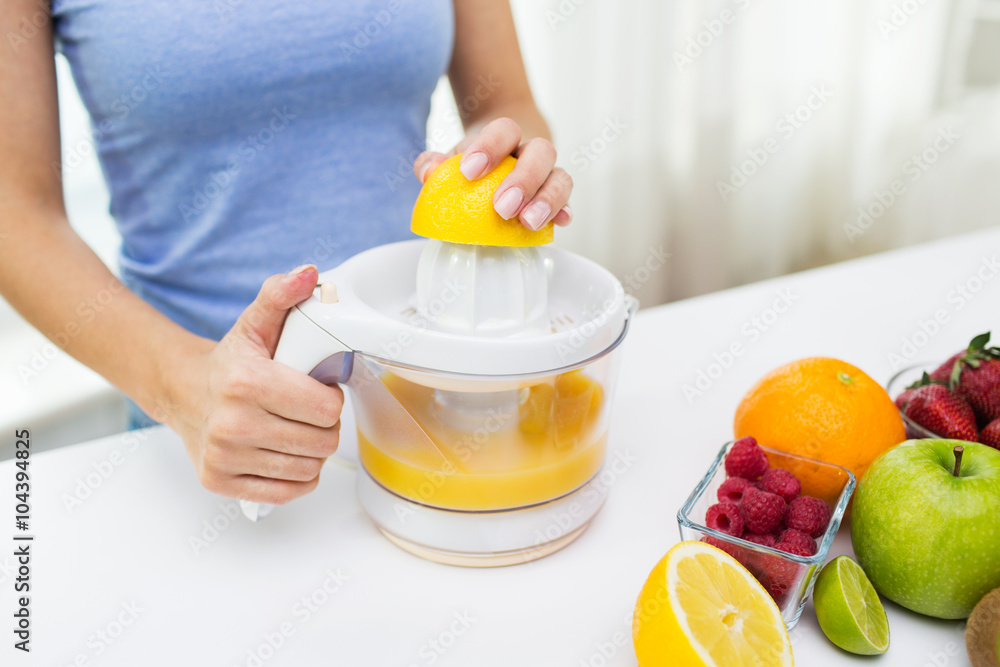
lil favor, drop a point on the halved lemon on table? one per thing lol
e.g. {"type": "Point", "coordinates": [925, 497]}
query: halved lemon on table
{"type": "Point", "coordinates": [701, 608]}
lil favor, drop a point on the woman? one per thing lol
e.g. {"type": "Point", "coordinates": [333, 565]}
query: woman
{"type": "Point", "coordinates": [240, 138]}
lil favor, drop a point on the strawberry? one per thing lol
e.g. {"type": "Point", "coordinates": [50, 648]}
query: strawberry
{"type": "Point", "coordinates": [942, 373]}
{"type": "Point", "coordinates": [991, 434]}
{"type": "Point", "coordinates": [975, 376]}
{"type": "Point", "coordinates": [905, 396]}
{"type": "Point", "coordinates": [939, 410]}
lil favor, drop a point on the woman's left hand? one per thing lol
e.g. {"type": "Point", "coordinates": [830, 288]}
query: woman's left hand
{"type": "Point", "coordinates": [536, 191]}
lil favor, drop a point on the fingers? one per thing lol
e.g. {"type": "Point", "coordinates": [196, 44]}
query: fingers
{"type": "Point", "coordinates": [536, 191]}
{"type": "Point", "coordinates": [426, 163]}
{"type": "Point", "coordinates": [228, 431]}
{"type": "Point", "coordinates": [271, 465]}
{"type": "Point", "coordinates": [296, 396]}
{"type": "Point", "coordinates": [495, 142]}
{"type": "Point", "coordinates": [231, 466]}
{"type": "Point", "coordinates": [270, 491]}
{"type": "Point", "coordinates": [263, 319]}
{"type": "Point", "coordinates": [535, 162]}
{"type": "Point", "coordinates": [564, 216]}
{"type": "Point", "coordinates": [548, 200]}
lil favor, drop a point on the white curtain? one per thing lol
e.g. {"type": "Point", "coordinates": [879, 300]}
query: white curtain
{"type": "Point", "coordinates": [819, 108]}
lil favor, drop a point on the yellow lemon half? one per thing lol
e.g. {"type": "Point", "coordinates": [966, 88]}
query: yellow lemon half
{"type": "Point", "coordinates": [701, 608]}
{"type": "Point", "coordinates": [451, 208]}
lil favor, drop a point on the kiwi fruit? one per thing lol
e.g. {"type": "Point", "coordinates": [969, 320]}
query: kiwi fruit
{"type": "Point", "coordinates": [982, 634]}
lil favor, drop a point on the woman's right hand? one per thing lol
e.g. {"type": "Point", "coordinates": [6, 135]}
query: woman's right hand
{"type": "Point", "coordinates": [254, 428]}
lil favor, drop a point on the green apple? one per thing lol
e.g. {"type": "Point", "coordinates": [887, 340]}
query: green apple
{"type": "Point", "coordinates": [929, 539]}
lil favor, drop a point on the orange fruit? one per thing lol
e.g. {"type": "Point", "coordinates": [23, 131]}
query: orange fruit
{"type": "Point", "coordinates": [825, 409]}
{"type": "Point", "coordinates": [452, 208]}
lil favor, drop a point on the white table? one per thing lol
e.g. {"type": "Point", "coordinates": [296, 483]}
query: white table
{"type": "Point", "coordinates": [129, 543]}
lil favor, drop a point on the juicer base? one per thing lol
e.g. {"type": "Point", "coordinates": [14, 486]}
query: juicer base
{"type": "Point", "coordinates": [485, 560]}
{"type": "Point", "coordinates": [481, 538]}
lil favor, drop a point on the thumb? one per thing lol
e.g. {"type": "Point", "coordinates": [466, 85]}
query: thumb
{"type": "Point", "coordinates": [263, 319]}
{"type": "Point", "coordinates": [426, 163]}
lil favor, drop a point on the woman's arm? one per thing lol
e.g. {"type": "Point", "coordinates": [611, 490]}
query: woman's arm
{"type": "Point", "coordinates": [46, 271]}
{"type": "Point", "coordinates": [504, 121]}
{"type": "Point", "coordinates": [254, 428]}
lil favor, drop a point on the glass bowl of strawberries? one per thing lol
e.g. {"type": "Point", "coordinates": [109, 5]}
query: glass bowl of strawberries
{"type": "Point", "coordinates": [959, 398]}
{"type": "Point", "coordinates": [774, 512]}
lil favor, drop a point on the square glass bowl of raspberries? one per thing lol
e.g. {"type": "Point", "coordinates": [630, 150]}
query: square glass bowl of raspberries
{"type": "Point", "coordinates": [774, 512]}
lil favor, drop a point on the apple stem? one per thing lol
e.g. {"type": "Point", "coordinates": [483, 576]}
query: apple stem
{"type": "Point", "coordinates": [958, 459]}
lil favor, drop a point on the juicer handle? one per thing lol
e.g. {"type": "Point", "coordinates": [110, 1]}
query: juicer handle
{"type": "Point", "coordinates": [306, 347]}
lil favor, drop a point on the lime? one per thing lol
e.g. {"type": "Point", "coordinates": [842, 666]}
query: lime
{"type": "Point", "coordinates": [848, 608]}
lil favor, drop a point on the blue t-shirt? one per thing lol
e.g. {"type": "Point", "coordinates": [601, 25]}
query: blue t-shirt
{"type": "Point", "coordinates": [241, 138]}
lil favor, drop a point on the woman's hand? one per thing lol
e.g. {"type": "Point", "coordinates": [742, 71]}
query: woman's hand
{"type": "Point", "coordinates": [536, 191]}
{"type": "Point", "coordinates": [254, 428]}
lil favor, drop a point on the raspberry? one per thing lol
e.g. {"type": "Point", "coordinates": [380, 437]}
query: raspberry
{"type": "Point", "coordinates": [746, 459]}
{"type": "Point", "coordinates": [762, 511]}
{"type": "Point", "coordinates": [732, 490]}
{"type": "Point", "coordinates": [778, 576]}
{"type": "Point", "coordinates": [782, 483]}
{"type": "Point", "coordinates": [796, 542]}
{"type": "Point", "coordinates": [725, 517]}
{"type": "Point", "coordinates": [765, 540]}
{"type": "Point", "coordinates": [807, 514]}
{"type": "Point", "coordinates": [723, 545]}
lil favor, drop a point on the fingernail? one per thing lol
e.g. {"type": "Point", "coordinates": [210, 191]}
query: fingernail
{"type": "Point", "coordinates": [569, 213]}
{"type": "Point", "coordinates": [423, 172]}
{"type": "Point", "coordinates": [299, 270]}
{"type": "Point", "coordinates": [509, 202]}
{"type": "Point", "coordinates": [472, 165]}
{"type": "Point", "coordinates": [536, 215]}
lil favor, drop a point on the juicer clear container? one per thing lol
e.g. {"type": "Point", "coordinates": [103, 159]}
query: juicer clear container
{"type": "Point", "coordinates": [470, 452]}
{"type": "Point", "coordinates": [482, 470]}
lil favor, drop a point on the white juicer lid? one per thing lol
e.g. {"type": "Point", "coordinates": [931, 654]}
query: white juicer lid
{"type": "Point", "coordinates": [375, 314]}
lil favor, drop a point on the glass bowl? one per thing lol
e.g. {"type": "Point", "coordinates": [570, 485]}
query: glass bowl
{"type": "Point", "coordinates": [899, 382]}
{"type": "Point", "coordinates": [787, 577]}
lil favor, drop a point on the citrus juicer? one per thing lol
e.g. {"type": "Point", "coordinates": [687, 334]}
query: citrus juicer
{"type": "Point", "coordinates": [480, 366]}
{"type": "Point", "coordinates": [481, 379]}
